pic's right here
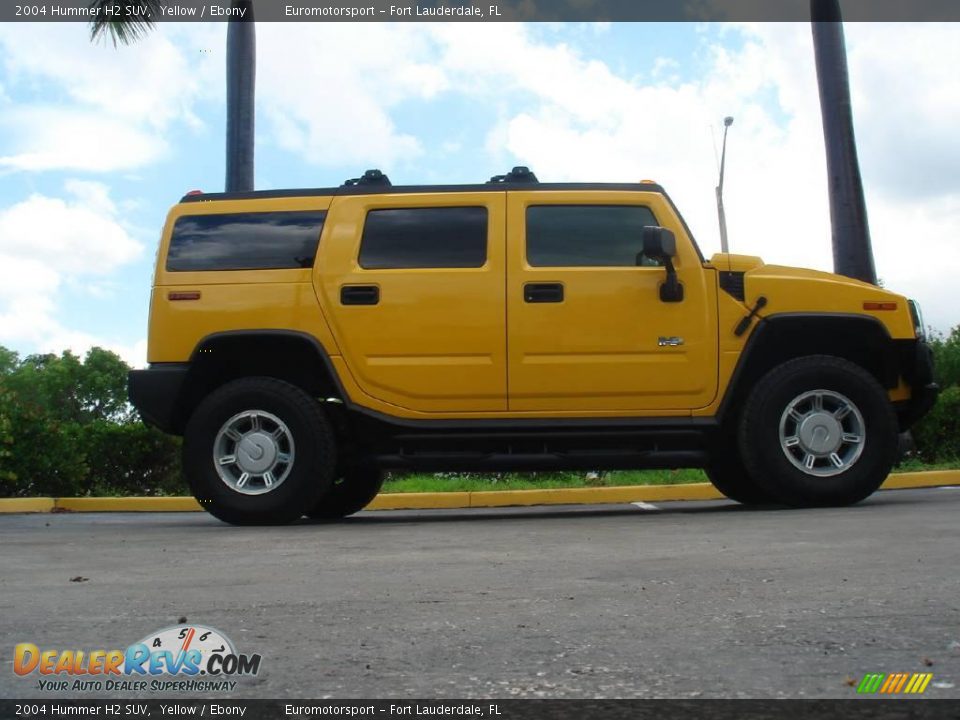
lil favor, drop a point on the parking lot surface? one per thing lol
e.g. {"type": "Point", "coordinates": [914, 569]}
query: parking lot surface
{"type": "Point", "coordinates": [688, 599]}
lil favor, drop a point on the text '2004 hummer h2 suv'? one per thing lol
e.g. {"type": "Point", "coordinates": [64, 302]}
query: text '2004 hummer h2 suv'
{"type": "Point", "coordinates": [305, 341]}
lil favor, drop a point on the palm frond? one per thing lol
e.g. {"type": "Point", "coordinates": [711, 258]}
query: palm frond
{"type": "Point", "coordinates": [132, 22]}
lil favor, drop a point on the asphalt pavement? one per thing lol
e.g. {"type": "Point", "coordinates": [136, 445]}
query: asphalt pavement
{"type": "Point", "coordinates": [690, 600]}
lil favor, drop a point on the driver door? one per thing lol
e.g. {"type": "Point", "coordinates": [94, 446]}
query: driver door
{"type": "Point", "coordinates": [587, 330]}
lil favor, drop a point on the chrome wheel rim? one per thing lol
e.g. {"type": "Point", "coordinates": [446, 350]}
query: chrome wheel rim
{"type": "Point", "coordinates": [822, 433]}
{"type": "Point", "coordinates": [253, 452]}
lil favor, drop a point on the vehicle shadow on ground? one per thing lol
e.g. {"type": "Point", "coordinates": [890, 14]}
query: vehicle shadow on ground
{"type": "Point", "coordinates": [393, 517]}
{"type": "Point", "coordinates": [385, 518]}
{"type": "Point", "coordinates": [566, 512]}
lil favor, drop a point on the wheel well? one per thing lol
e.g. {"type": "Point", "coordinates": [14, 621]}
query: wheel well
{"type": "Point", "coordinates": [293, 357]}
{"type": "Point", "coordinates": [861, 340]}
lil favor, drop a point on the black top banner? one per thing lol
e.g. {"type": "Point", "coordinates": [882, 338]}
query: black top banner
{"type": "Point", "coordinates": [476, 11]}
{"type": "Point", "coordinates": [862, 709]}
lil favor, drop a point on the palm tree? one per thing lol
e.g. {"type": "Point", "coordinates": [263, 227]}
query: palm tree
{"type": "Point", "coordinates": [852, 253]}
{"type": "Point", "coordinates": [241, 87]}
{"type": "Point", "coordinates": [241, 75]}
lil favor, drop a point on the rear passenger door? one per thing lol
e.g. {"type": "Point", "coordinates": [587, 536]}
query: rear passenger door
{"type": "Point", "coordinates": [414, 286]}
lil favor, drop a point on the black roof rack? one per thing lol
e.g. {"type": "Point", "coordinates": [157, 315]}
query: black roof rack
{"type": "Point", "coordinates": [519, 174]}
{"type": "Point", "coordinates": [373, 182]}
{"type": "Point", "coordinates": [370, 177]}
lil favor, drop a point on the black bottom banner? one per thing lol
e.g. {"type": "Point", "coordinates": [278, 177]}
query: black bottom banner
{"type": "Point", "coordinates": [872, 709]}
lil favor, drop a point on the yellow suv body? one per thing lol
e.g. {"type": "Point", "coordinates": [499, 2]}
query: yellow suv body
{"type": "Point", "coordinates": [306, 341]}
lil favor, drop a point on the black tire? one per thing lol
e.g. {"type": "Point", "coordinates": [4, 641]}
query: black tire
{"type": "Point", "coordinates": [301, 481]}
{"type": "Point", "coordinates": [727, 473]}
{"type": "Point", "coordinates": [832, 380]}
{"type": "Point", "coordinates": [348, 494]}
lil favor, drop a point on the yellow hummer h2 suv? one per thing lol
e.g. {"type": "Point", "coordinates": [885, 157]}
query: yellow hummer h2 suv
{"type": "Point", "coordinates": [305, 341]}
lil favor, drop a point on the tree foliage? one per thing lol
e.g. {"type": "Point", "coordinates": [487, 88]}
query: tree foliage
{"type": "Point", "coordinates": [67, 429]}
{"type": "Point", "coordinates": [938, 434]}
{"type": "Point", "coordinates": [124, 23]}
{"type": "Point", "coordinates": [946, 355]}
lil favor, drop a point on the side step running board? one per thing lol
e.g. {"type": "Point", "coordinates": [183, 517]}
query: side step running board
{"type": "Point", "coordinates": [519, 462]}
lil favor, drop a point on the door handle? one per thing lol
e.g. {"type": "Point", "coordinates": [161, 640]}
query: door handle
{"type": "Point", "coordinates": [543, 292]}
{"type": "Point", "coordinates": [359, 295]}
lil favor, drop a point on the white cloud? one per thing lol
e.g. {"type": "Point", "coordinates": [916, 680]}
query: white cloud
{"type": "Point", "coordinates": [46, 242]}
{"type": "Point", "coordinates": [50, 138]}
{"type": "Point", "coordinates": [71, 237]}
{"type": "Point", "coordinates": [114, 105]}
{"type": "Point", "coordinates": [907, 98]}
{"type": "Point", "coordinates": [149, 81]}
{"type": "Point", "coordinates": [92, 195]}
{"type": "Point", "coordinates": [348, 77]}
{"type": "Point", "coordinates": [134, 354]}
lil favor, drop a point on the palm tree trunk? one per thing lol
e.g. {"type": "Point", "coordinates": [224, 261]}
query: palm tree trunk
{"type": "Point", "coordinates": [852, 253]}
{"type": "Point", "coordinates": [241, 83]}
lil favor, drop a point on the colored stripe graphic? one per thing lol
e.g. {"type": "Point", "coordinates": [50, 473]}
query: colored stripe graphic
{"type": "Point", "coordinates": [894, 683]}
{"type": "Point", "coordinates": [891, 681]}
{"type": "Point", "coordinates": [900, 683]}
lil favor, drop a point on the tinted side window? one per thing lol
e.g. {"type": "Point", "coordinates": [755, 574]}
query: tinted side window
{"type": "Point", "coordinates": [245, 241]}
{"type": "Point", "coordinates": [586, 235]}
{"type": "Point", "coordinates": [447, 237]}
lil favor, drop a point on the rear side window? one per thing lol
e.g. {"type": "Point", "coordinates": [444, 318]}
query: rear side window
{"type": "Point", "coordinates": [587, 235]}
{"type": "Point", "coordinates": [447, 237]}
{"type": "Point", "coordinates": [245, 241]}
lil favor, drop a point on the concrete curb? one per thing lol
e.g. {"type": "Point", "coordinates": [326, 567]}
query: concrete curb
{"type": "Point", "coordinates": [458, 500]}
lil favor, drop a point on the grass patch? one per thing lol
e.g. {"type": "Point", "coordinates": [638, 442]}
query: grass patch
{"type": "Point", "coordinates": [479, 482]}
{"type": "Point", "coordinates": [915, 465]}
{"type": "Point", "coordinates": [475, 482]}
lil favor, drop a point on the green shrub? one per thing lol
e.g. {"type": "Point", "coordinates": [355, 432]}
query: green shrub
{"type": "Point", "coordinates": [946, 355]}
{"type": "Point", "coordinates": [6, 438]}
{"type": "Point", "coordinates": [46, 456]}
{"type": "Point", "coordinates": [66, 429]}
{"type": "Point", "coordinates": [131, 459]}
{"type": "Point", "coordinates": [938, 434]}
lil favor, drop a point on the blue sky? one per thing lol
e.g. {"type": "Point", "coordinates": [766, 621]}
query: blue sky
{"type": "Point", "coordinates": [96, 143]}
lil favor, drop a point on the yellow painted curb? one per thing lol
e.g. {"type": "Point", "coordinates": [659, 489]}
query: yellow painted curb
{"type": "Point", "coordinates": [928, 478]}
{"type": "Point", "coordinates": [421, 501]}
{"type": "Point", "coordinates": [461, 500]}
{"type": "Point", "coordinates": [594, 496]}
{"type": "Point", "coordinates": [26, 505]}
{"type": "Point", "coordinates": [128, 504]}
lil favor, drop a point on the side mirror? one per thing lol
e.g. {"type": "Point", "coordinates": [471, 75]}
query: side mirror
{"type": "Point", "coordinates": [661, 244]}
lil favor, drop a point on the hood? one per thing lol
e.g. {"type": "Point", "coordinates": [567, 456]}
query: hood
{"type": "Point", "coordinates": [754, 268]}
{"type": "Point", "coordinates": [784, 272]}
{"type": "Point", "coordinates": [728, 262]}
{"type": "Point", "coordinates": [805, 291]}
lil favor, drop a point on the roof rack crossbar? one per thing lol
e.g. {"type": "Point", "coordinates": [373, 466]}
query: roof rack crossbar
{"type": "Point", "coordinates": [370, 177]}
{"type": "Point", "coordinates": [519, 174]}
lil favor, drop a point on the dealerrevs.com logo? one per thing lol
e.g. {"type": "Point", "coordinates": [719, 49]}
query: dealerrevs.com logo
{"type": "Point", "coordinates": [177, 658]}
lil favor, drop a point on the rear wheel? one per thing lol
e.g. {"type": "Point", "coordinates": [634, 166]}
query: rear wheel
{"type": "Point", "coordinates": [349, 494]}
{"type": "Point", "coordinates": [257, 451]}
{"type": "Point", "coordinates": [818, 431]}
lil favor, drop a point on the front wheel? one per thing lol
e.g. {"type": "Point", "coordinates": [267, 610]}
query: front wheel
{"type": "Point", "coordinates": [818, 431]}
{"type": "Point", "coordinates": [257, 451]}
{"type": "Point", "coordinates": [728, 475]}
{"type": "Point", "coordinates": [349, 494]}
